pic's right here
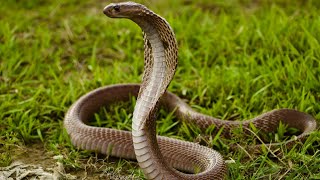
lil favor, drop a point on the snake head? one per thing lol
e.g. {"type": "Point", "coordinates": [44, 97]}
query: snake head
{"type": "Point", "coordinates": [124, 10]}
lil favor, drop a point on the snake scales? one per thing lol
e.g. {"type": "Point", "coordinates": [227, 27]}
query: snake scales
{"type": "Point", "coordinates": [158, 156]}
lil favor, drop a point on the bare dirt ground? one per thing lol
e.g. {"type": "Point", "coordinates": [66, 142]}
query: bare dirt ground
{"type": "Point", "coordinates": [35, 163]}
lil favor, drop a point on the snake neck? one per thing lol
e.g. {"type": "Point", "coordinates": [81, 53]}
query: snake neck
{"type": "Point", "coordinates": [160, 51]}
{"type": "Point", "coordinates": [160, 64]}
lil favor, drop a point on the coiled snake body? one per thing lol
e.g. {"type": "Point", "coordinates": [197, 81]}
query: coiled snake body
{"type": "Point", "coordinates": [158, 156]}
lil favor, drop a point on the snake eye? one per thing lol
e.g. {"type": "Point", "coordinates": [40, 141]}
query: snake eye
{"type": "Point", "coordinates": [116, 8]}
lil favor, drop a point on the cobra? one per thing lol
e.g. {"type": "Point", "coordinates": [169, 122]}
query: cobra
{"type": "Point", "coordinates": [158, 156]}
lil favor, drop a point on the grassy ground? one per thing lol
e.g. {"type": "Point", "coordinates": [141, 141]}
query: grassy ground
{"type": "Point", "coordinates": [237, 59]}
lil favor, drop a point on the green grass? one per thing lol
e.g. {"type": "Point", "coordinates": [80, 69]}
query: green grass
{"type": "Point", "coordinates": [237, 59]}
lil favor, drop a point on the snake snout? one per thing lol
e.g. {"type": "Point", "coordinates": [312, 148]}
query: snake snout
{"type": "Point", "coordinates": [124, 10]}
{"type": "Point", "coordinates": [108, 10]}
{"type": "Point", "coordinates": [112, 10]}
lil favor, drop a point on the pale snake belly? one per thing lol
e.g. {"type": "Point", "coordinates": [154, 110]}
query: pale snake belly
{"type": "Point", "coordinates": [158, 156]}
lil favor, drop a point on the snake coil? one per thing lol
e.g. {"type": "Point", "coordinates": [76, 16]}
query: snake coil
{"type": "Point", "coordinates": [158, 156]}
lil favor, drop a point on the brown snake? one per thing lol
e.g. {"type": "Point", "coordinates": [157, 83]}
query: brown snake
{"type": "Point", "coordinates": [158, 156]}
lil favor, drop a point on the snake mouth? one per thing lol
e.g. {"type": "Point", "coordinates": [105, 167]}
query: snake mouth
{"type": "Point", "coordinates": [111, 10]}
{"type": "Point", "coordinates": [121, 10]}
{"type": "Point", "coordinates": [124, 10]}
